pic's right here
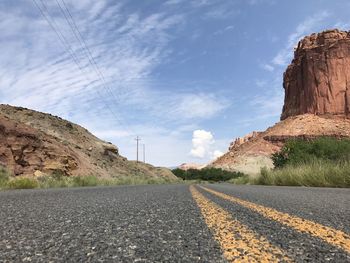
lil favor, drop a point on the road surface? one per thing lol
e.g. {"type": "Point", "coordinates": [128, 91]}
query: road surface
{"type": "Point", "coordinates": [175, 223]}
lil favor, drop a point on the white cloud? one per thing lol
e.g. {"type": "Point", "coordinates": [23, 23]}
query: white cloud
{"type": "Point", "coordinates": [201, 143]}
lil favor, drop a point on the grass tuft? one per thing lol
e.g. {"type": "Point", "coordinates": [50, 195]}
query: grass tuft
{"type": "Point", "coordinates": [22, 183]}
{"type": "Point", "coordinates": [4, 177]}
{"type": "Point", "coordinates": [318, 173]}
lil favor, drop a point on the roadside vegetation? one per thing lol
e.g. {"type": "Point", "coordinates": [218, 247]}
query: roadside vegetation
{"type": "Point", "coordinates": [207, 174]}
{"type": "Point", "coordinates": [57, 180]}
{"type": "Point", "coordinates": [323, 162]}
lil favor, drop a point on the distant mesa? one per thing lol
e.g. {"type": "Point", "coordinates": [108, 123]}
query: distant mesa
{"type": "Point", "coordinates": [317, 103]}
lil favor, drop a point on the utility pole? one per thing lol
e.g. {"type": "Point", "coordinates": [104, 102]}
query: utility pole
{"type": "Point", "coordinates": [144, 152]}
{"type": "Point", "coordinates": [137, 148]}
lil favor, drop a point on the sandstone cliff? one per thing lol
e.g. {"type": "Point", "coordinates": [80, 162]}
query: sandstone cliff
{"type": "Point", "coordinates": [34, 143]}
{"type": "Point", "coordinates": [318, 79]}
{"type": "Point", "coordinates": [317, 101]}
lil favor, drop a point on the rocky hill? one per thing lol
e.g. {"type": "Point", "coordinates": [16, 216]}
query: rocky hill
{"type": "Point", "coordinates": [317, 101]}
{"type": "Point", "coordinates": [35, 143]}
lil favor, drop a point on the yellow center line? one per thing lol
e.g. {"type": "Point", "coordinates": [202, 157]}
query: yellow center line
{"type": "Point", "coordinates": [238, 243]}
{"type": "Point", "coordinates": [330, 235]}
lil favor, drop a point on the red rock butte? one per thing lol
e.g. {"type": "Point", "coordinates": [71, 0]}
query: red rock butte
{"type": "Point", "coordinates": [318, 79]}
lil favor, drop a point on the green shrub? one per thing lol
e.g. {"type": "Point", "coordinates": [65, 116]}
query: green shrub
{"type": "Point", "coordinates": [4, 177]}
{"type": "Point", "coordinates": [296, 152]}
{"type": "Point", "coordinates": [58, 175]}
{"type": "Point", "coordinates": [58, 180]}
{"type": "Point", "coordinates": [22, 183]}
{"type": "Point", "coordinates": [53, 182]}
{"type": "Point", "coordinates": [207, 174]}
{"type": "Point", "coordinates": [89, 180]}
{"type": "Point", "coordinates": [241, 180]}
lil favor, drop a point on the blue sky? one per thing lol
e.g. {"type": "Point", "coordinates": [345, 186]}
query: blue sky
{"type": "Point", "coordinates": [187, 76]}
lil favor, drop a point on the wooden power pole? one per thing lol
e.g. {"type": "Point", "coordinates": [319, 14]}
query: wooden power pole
{"type": "Point", "coordinates": [137, 148]}
{"type": "Point", "coordinates": [144, 152]}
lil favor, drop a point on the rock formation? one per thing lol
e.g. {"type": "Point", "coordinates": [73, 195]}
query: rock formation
{"type": "Point", "coordinates": [318, 79]}
{"type": "Point", "coordinates": [240, 140]}
{"type": "Point", "coordinates": [35, 143]}
{"type": "Point", "coordinates": [317, 103]}
{"type": "Point", "coordinates": [255, 153]}
{"type": "Point", "coordinates": [24, 151]}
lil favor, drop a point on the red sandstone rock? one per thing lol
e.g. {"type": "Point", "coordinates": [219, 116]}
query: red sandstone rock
{"type": "Point", "coordinates": [317, 87]}
{"type": "Point", "coordinates": [241, 140]}
{"type": "Point", "coordinates": [23, 151]}
{"type": "Point", "coordinates": [318, 79]}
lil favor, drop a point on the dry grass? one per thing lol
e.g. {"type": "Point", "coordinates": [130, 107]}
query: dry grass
{"type": "Point", "coordinates": [57, 181]}
{"type": "Point", "coordinates": [318, 173]}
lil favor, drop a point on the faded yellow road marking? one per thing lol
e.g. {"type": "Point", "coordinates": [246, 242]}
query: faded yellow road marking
{"type": "Point", "coordinates": [239, 243]}
{"type": "Point", "coordinates": [332, 236]}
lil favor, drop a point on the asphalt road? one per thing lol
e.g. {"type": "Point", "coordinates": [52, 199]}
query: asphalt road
{"type": "Point", "coordinates": [175, 223]}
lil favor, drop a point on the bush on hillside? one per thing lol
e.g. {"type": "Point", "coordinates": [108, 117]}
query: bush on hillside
{"type": "Point", "coordinates": [323, 162]}
{"type": "Point", "coordinates": [23, 183]}
{"type": "Point", "coordinates": [4, 177]}
{"type": "Point", "coordinates": [297, 152]}
{"type": "Point", "coordinates": [207, 174]}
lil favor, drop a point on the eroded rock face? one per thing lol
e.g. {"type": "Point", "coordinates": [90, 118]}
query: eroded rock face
{"type": "Point", "coordinates": [318, 79]}
{"type": "Point", "coordinates": [241, 140]}
{"type": "Point", "coordinates": [24, 151]}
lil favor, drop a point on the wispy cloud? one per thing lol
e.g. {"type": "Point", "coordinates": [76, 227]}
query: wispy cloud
{"type": "Point", "coordinates": [174, 2]}
{"type": "Point", "coordinates": [37, 72]}
{"type": "Point", "coordinates": [267, 67]}
{"type": "Point", "coordinates": [192, 106]}
{"type": "Point", "coordinates": [342, 25]}
{"type": "Point", "coordinates": [223, 11]}
{"type": "Point", "coordinates": [269, 104]}
{"type": "Point", "coordinates": [310, 24]}
{"type": "Point", "coordinates": [43, 69]}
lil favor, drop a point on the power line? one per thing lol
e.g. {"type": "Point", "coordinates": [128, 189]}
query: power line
{"type": "Point", "coordinates": [144, 152]}
{"type": "Point", "coordinates": [137, 148]}
{"type": "Point", "coordinates": [79, 36]}
{"type": "Point", "coordinates": [68, 48]}
{"type": "Point", "coordinates": [73, 26]}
